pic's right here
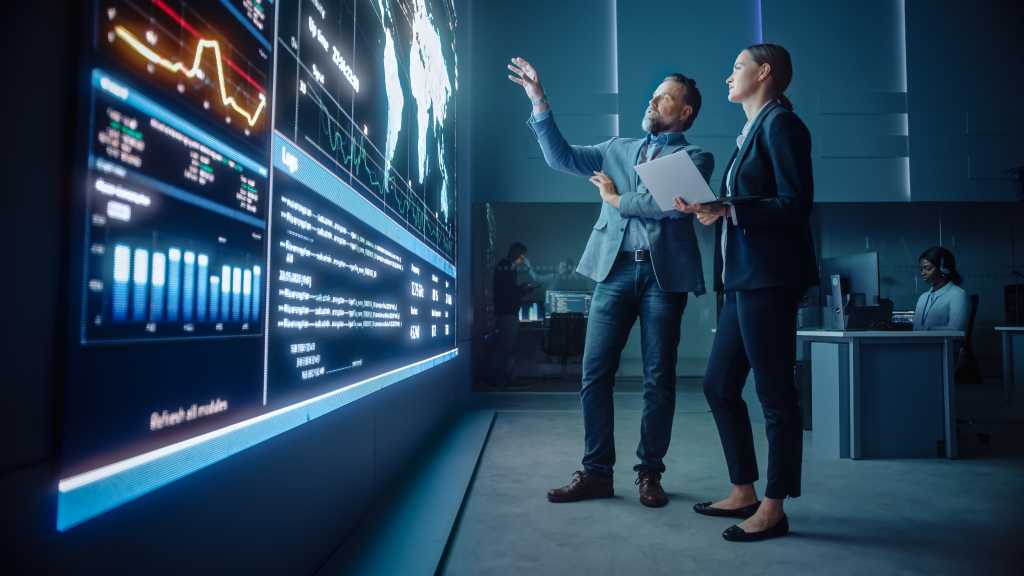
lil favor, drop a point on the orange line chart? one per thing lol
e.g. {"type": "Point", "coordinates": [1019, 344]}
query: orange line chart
{"type": "Point", "coordinates": [195, 70]}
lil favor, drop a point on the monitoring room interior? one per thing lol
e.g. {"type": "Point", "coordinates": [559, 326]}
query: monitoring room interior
{"type": "Point", "coordinates": [254, 326]}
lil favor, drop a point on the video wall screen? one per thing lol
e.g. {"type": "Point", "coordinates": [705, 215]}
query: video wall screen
{"type": "Point", "coordinates": [264, 227]}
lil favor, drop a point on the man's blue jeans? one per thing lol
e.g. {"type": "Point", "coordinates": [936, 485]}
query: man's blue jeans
{"type": "Point", "coordinates": [630, 291]}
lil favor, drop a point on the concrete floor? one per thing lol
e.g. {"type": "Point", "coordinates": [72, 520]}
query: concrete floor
{"type": "Point", "coordinates": [855, 517]}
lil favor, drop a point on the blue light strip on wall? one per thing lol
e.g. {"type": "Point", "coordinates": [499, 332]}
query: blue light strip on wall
{"type": "Point", "coordinates": [92, 493]}
{"type": "Point", "coordinates": [291, 159]}
{"type": "Point", "coordinates": [759, 19]}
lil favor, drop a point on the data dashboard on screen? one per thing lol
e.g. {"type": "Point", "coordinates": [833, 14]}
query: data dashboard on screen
{"type": "Point", "coordinates": [264, 227]}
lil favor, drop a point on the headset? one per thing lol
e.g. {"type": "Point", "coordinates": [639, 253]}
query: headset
{"type": "Point", "coordinates": [943, 269]}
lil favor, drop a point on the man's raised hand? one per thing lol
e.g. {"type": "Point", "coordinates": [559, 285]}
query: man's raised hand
{"type": "Point", "coordinates": [524, 74]}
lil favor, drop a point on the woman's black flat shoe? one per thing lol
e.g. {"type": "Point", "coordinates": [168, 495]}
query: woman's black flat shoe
{"type": "Point", "coordinates": [707, 509]}
{"type": "Point", "coordinates": [737, 534]}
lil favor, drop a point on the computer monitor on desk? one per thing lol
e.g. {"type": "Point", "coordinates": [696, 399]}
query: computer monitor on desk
{"type": "Point", "coordinates": [567, 302]}
{"type": "Point", "coordinates": [860, 277]}
{"type": "Point", "coordinates": [850, 293]}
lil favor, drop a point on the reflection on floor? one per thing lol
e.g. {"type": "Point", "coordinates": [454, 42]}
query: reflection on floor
{"type": "Point", "coordinates": [928, 516]}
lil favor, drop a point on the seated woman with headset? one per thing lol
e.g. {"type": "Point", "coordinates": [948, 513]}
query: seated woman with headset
{"type": "Point", "coordinates": [946, 305]}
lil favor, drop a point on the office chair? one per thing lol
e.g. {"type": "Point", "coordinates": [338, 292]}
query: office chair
{"type": "Point", "coordinates": [967, 369]}
{"type": "Point", "coordinates": [565, 336]}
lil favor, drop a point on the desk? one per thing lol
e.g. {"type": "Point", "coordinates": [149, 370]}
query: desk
{"type": "Point", "coordinates": [882, 394]}
{"type": "Point", "coordinates": [532, 363]}
{"type": "Point", "coordinates": [1013, 358]}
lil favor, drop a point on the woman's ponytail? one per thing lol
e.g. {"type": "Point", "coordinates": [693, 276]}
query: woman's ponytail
{"type": "Point", "coordinates": [782, 68]}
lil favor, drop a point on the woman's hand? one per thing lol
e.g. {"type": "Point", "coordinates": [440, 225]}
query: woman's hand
{"type": "Point", "coordinates": [707, 215]}
{"type": "Point", "coordinates": [604, 184]}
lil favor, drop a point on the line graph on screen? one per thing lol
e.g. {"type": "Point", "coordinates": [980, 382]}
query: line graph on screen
{"type": "Point", "coordinates": [215, 64]}
{"type": "Point", "coordinates": [351, 152]}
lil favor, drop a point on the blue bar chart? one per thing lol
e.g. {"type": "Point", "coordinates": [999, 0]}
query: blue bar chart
{"type": "Point", "coordinates": [203, 288]}
{"type": "Point", "coordinates": [140, 283]}
{"type": "Point", "coordinates": [157, 280]}
{"type": "Point", "coordinates": [188, 286]}
{"type": "Point", "coordinates": [172, 292]}
{"type": "Point", "coordinates": [122, 273]}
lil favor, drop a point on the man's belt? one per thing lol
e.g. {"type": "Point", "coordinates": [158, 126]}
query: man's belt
{"type": "Point", "coordinates": [636, 255]}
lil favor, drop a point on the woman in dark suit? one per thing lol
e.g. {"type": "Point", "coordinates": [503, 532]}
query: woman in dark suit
{"type": "Point", "coordinates": [767, 262]}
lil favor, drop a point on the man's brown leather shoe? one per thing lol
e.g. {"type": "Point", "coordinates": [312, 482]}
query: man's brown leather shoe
{"type": "Point", "coordinates": [651, 492]}
{"type": "Point", "coordinates": [583, 486]}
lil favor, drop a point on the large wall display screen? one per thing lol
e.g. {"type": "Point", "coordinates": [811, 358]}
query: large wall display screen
{"type": "Point", "coordinates": [264, 227]}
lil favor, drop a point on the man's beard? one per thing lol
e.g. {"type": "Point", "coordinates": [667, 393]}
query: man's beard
{"type": "Point", "coordinates": [651, 123]}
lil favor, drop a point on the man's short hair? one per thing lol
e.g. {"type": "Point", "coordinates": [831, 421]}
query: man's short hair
{"type": "Point", "coordinates": [516, 250]}
{"type": "Point", "coordinates": [691, 95]}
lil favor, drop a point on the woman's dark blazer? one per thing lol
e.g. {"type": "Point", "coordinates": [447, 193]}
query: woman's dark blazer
{"type": "Point", "coordinates": [771, 244]}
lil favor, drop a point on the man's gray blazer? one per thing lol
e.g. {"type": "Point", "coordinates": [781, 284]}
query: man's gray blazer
{"type": "Point", "coordinates": [674, 252]}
